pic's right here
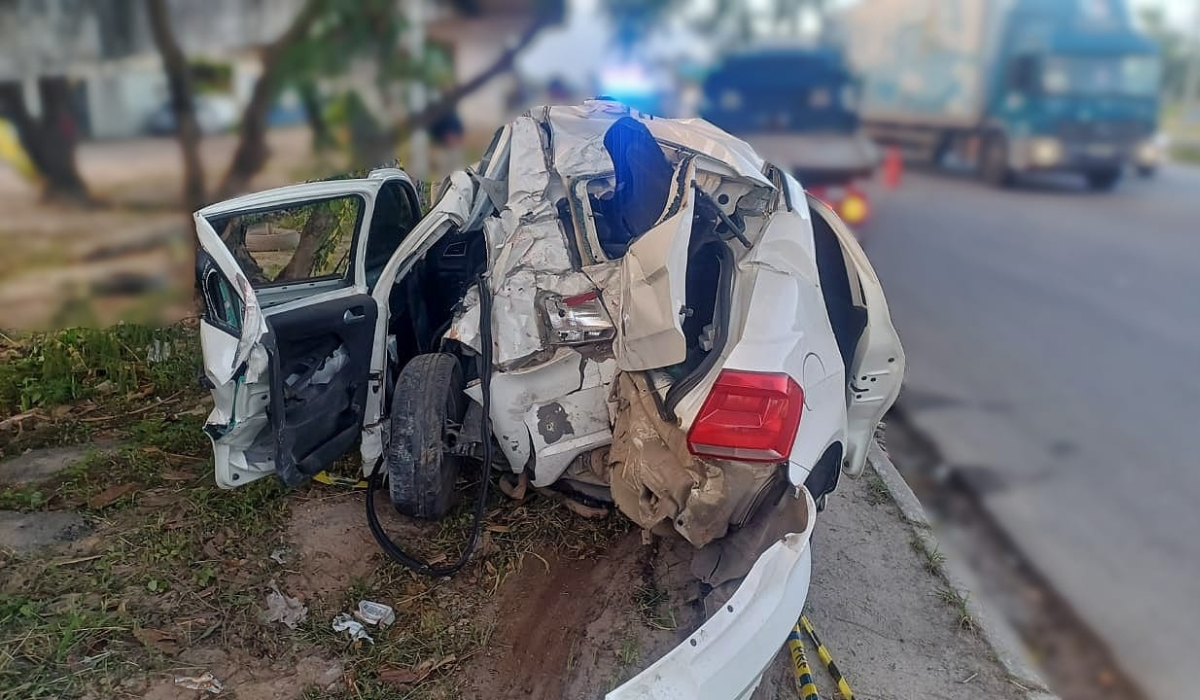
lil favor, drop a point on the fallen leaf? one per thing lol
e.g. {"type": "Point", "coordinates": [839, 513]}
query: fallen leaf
{"type": "Point", "coordinates": [498, 528]}
{"type": "Point", "coordinates": [158, 640]}
{"type": "Point", "coordinates": [110, 494]}
{"type": "Point", "coordinates": [176, 475]}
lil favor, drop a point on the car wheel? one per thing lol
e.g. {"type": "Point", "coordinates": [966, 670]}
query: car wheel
{"type": "Point", "coordinates": [427, 408]}
{"type": "Point", "coordinates": [994, 166]}
{"type": "Point", "coordinates": [1103, 180]}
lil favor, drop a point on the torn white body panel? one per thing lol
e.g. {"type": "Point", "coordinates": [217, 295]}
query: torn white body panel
{"type": "Point", "coordinates": [725, 658]}
{"type": "Point", "coordinates": [653, 292]}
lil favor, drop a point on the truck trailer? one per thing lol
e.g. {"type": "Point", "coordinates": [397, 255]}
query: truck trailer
{"type": "Point", "coordinates": [1010, 86]}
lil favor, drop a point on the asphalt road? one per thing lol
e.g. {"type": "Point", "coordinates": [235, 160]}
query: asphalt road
{"type": "Point", "coordinates": [1052, 337]}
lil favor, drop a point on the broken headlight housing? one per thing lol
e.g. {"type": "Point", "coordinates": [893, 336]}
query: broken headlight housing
{"type": "Point", "coordinates": [577, 319]}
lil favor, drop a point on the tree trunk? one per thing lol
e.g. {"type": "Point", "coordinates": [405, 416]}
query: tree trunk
{"type": "Point", "coordinates": [183, 104]}
{"type": "Point", "coordinates": [251, 154]}
{"type": "Point", "coordinates": [318, 225]}
{"type": "Point", "coordinates": [313, 114]}
{"type": "Point", "coordinates": [50, 140]}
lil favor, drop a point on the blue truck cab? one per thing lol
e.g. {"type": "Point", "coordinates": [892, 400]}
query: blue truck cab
{"type": "Point", "coordinates": [798, 107]}
{"type": "Point", "coordinates": [1075, 88]}
{"type": "Point", "coordinates": [1011, 86]}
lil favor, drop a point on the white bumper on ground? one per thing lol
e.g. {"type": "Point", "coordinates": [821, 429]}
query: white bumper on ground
{"type": "Point", "coordinates": [726, 657]}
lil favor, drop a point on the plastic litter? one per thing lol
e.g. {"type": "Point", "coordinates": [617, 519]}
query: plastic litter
{"type": "Point", "coordinates": [206, 682]}
{"type": "Point", "coordinates": [346, 623]}
{"type": "Point", "coordinates": [284, 608]}
{"type": "Point", "coordinates": [374, 613]}
{"type": "Point", "coordinates": [277, 556]}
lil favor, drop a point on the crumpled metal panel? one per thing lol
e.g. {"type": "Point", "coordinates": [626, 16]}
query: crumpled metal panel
{"type": "Point", "coordinates": [579, 141]}
{"type": "Point", "coordinates": [653, 292]}
{"type": "Point", "coordinates": [656, 481]}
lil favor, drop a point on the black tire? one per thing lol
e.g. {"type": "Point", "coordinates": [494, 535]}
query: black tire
{"type": "Point", "coordinates": [427, 401]}
{"type": "Point", "coordinates": [993, 166]}
{"type": "Point", "coordinates": [1103, 180]}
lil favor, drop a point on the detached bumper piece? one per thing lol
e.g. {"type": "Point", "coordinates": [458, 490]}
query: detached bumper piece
{"type": "Point", "coordinates": [726, 657]}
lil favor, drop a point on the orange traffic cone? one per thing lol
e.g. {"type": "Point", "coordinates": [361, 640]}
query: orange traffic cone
{"type": "Point", "coordinates": [893, 167]}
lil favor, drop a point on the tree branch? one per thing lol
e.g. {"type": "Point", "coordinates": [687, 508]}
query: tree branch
{"type": "Point", "coordinates": [251, 153]}
{"type": "Point", "coordinates": [446, 102]}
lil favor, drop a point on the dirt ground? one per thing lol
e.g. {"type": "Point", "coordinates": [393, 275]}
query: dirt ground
{"type": "Point", "coordinates": [134, 571]}
{"type": "Point", "coordinates": [551, 622]}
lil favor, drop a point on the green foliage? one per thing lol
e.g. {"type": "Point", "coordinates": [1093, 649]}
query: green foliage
{"type": "Point", "coordinates": [1175, 49]}
{"type": "Point", "coordinates": [79, 363]}
{"type": "Point", "coordinates": [182, 435]}
{"type": "Point", "coordinates": [210, 76]}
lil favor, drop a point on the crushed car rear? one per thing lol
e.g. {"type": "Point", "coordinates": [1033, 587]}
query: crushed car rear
{"type": "Point", "coordinates": [674, 328]}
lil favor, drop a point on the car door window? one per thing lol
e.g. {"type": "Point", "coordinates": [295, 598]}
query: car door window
{"type": "Point", "coordinates": [299, 242]}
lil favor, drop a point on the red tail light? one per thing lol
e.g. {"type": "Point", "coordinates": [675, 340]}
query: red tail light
{"type": "Point", "coordinates": [749, 416]}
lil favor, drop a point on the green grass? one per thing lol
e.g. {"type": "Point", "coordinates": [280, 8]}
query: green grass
{"type": "Point", "coordinates": [958, 603]}
{"type": "Point", "coordinates": [877, 491]}
{"type": "Point", "coordinates": [1186, 152]}
{"type": "Point", "coordinates": [168, 550]}
{"type": "Point", "coordinates": [173, 549]}
{"type": "Point", "coordinates": [44, 370]}
{"type": "Point", "coordinates": [931, 559]}
{"type": "Point", "coordinates": [653, 608]}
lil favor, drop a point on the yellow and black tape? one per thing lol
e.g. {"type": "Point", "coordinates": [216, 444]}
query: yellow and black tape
{"type": "Point", "coordinates": [805, 685]}
{"type": "Point", "coordinates": [827, 659]}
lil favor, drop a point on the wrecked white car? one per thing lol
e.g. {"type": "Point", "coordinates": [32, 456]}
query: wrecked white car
{"type": "Point", "coordinates": [626, 309]}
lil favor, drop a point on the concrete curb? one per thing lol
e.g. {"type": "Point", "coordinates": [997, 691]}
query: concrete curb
{"type": "Point", "coordinates": [998, 634]}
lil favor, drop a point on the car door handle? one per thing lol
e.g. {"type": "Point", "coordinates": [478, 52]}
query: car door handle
{"type": "Point", "coordinates": [353, 315]}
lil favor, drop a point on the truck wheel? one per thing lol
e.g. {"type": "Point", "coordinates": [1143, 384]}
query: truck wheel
{"type": "Point", "coordinates": [1103, 180]}
{"type": "Point", "coordinates": [993, 167]}
{"type": "Point", "coordinates": [427, 405]}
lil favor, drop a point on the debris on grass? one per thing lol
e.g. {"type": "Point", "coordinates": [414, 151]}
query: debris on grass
{"type": "Point", "coordinates": [374, 613]}
{"type": "Point", "coordinates": [346, 623]}
{"type": "Point", "coordinates": [284, 609]}
{"type": "Point", "coordinates": [207, 683]}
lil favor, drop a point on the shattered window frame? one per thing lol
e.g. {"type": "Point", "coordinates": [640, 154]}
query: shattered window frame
{"type": "Point", "coordinates": [346, 278]}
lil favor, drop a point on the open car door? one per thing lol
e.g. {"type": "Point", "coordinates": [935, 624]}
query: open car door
{"type": "Point", "coordinates": [289, 321]}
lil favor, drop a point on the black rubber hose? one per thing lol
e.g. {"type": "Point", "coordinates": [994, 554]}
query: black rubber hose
{"type": "Point", "coordinates": [485, 374]}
